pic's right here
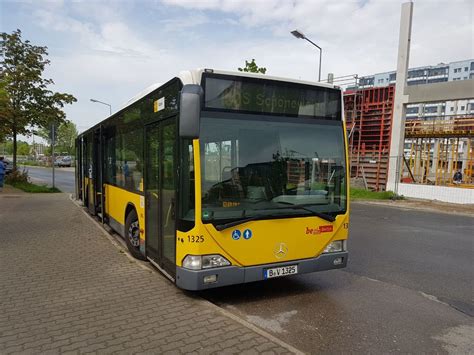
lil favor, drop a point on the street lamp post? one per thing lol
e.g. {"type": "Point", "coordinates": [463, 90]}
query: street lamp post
{"type": "Point", "coordinates": [299, 34]}
{"type": "Point", "coordinates": [103, 103]}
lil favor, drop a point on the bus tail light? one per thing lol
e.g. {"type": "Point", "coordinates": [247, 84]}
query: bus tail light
{"type": "Point", "coordinates": [335, 246]}
{"type": "Point", "coordinates": [198, 262]}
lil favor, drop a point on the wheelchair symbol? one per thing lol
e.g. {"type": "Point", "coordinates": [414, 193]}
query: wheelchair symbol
{"type": "Point", "coordinates": [236, 234]}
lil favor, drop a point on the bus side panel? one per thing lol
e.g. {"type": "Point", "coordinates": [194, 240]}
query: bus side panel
{"type": "Point", "coordinates": [116, 202]}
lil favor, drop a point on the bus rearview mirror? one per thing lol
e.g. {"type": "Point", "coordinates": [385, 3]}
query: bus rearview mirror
{"type": "Point", "coordinates": [189, 111]}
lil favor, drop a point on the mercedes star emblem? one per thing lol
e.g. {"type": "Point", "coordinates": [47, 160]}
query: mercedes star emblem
{"type": "Point", "coordinates": [280, 250]}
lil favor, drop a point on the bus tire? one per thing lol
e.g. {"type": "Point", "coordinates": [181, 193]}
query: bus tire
{"type": "Point", "coordinates": [132, 235]}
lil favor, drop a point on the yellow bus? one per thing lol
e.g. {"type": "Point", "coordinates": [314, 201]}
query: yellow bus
{"type": "Point", "coordinates": [221, 178]}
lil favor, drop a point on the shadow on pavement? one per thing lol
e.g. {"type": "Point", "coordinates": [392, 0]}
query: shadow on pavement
{"type": "Point", "coordinates": [270, 289]}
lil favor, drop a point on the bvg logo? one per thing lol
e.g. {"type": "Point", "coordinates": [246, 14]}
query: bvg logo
{"type": "Point", "coordinates": [322, 229]}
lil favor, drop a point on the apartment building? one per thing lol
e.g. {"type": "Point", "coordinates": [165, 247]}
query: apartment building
{"type": "Point", "coordinates": [460, 70]}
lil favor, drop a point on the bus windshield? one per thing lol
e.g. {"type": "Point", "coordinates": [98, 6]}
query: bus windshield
{"type": "Point", "coordinates": [258, 166]}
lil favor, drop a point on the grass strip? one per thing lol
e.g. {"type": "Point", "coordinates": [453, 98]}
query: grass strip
{"type": "Point", "coordinates": [362, 194]}
{"type": "Point", "coordinates": [33, 163]}
{"type": "Point", "coordinates": [33, 188]}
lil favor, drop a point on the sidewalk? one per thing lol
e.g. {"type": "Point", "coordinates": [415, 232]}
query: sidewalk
{"type": "Point", "coordinates": [10, 190]}
{"type": "Point", "coordinates": [64, 287]}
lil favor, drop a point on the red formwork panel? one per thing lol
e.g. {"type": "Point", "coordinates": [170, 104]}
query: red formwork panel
{"type": "Point", "coordinates": [369, 120]}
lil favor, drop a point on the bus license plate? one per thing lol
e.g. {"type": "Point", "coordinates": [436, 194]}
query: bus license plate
{"type": "Point", "coordinates": [280, 271]}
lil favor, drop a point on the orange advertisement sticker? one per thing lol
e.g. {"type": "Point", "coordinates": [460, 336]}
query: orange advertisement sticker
{"type": "Point", "coordinates": [326, 229]}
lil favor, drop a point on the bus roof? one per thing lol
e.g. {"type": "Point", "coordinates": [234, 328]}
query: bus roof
{"type": "Point", "coordinates": [141, 94]}
{"type": "Point", "coordinates": [194, 77]}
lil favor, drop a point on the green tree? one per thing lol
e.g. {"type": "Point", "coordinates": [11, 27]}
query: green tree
{"type": "Point", "coordinates": [23, 148]}
{"type": "Point", "coordinates": [6, 148]}
{"type": "Point", "coordinates": [4, 112]}
{"type": "Point", "coordinates": [252, 67]}
{"type": "Point", "coordinates": [66, 135]}
{"type": "Point", "coordinates": [30, 101]}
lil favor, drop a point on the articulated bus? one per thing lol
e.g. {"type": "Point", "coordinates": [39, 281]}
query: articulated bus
{"type": "Point", "coordinates": [221, 178]}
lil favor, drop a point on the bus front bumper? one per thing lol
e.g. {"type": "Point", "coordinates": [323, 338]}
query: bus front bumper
{"type": "Point", "coordinates": [194, 279]}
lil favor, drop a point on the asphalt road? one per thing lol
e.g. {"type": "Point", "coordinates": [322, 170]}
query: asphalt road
{"type": "Point", "coordinates": [408, 288]}
{"type": "Point", "coordinates": [425, 251]}
{"type": "Point", "coordinates": [64, 177]}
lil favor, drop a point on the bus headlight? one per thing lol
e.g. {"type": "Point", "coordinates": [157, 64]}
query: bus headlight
{"type": "Point", "coordinates": [198, 262]}
{"type": "Point", "coordinates": [209, 261]}
{"type": "Point", "coordinates": [335, 246]}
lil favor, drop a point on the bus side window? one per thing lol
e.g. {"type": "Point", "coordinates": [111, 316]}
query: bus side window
{"type": "Point", "coordinates": [128, 158]}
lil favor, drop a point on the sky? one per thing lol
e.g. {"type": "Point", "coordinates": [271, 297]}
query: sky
{"type": "Point", "coordinates": [112, 50]}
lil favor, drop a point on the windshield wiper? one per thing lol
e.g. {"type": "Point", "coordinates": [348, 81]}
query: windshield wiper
{"type": "Point", "coordinates": [221, 227]}
{"type": "Point", "coordinates": [324, 216]}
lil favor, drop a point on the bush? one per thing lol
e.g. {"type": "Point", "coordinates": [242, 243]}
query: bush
{"type": "Point", "coordinates": [17, 176]}
{"type": "Point", "coordinates": [20, 180]}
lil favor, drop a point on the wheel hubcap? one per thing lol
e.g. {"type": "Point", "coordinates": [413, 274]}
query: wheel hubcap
{"type": "Point", "coordinates": [134, 234]}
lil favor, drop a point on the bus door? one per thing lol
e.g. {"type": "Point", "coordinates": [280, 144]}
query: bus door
{"type": "Point", "coordinates": [160, 194]}
{"type": "Point", "coordinates": [91, 172]}
{"type": "Point", "coordinates": [86, 170]}
{"type": "Point", "coordinates": [97, 171]}
{"type": "Point", "coordinates": [78, 168]}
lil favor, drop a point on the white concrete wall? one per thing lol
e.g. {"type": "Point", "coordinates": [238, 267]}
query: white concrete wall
{"type": "Point", "coordinates": [440, 193]}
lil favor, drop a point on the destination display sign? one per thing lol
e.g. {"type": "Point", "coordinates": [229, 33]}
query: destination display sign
{"type": "Point", "coordinates": [271, 97]}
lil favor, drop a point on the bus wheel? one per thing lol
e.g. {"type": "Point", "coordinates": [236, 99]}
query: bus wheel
{"type": "Point", "coordinates": [132, 235]}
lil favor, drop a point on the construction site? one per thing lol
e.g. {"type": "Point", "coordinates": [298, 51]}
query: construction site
{"type": "Point", "coordinates": [435, 147]}
{"type": "Point", "coordinates": [411, 131]}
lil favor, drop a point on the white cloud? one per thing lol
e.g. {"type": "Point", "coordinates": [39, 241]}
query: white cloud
{"type": "Point", "coordinates": [184, 23]}
{"type": "Point", "coordinates": [358, 37]}
{"type": "Point", "coordinates": [112, 50]}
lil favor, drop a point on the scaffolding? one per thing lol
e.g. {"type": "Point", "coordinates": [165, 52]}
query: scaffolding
{"type": "Point", "coordinates": [438, 148]}
{"type": "Point", "coordinates": [369, 120]}
{"type": "Point", "coordinates": [435, 148]}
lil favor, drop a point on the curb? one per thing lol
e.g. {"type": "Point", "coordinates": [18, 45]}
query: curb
{"type": "Point", "coordinates": [47, 167]}
{"type": "Point", "coordinates": [252, 327]}
{"type": "Point", "coordinates": [146, 266]}
{"type": "Point", "coordinates": [406, 206]}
